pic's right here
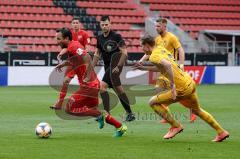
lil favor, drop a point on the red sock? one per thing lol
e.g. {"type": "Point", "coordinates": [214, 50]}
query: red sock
{"type": "Point", "coordinates": [112, 121]}
{"type": "Point", "coordinates": [62, 95]}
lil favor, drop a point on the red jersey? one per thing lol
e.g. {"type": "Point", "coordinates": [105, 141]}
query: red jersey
{"type": "Point", "coordinates": [78, 65]}
{"type": "Point", "coordinates": [73, 47]}
{"type": "Point", "coordinates": [81, 36]}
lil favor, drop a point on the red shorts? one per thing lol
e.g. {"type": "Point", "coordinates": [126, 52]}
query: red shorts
{"type": "Point", "coordinates": [82, 100]}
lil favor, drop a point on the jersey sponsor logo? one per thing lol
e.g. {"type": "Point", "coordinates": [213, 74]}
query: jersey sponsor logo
{"type": "Point", "coordinates": [196, 72]}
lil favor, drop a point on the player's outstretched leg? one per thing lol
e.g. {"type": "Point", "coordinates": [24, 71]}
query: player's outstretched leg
{"type": "Point", "coordinates": [176, 127]}
{"type": "Point", "coordinates": [193, 117]}
{"type": "Point", "coordinates": [208, 118]}
{"type": "Point", "coordinates": [155, 103]}
{"type": "Point", "coordinates": [125, 103]}
{"type": "Point", "coordinates": [62, 93]}
{"type": "Point", "coordinates": [163, 121]}
{"type": "Point", "coordinates": [121, 131]}
{"type": "Point", "coordinates": [101, 121]}
{"type": "Point", "coordinates": [105, 100]}
{"type": "Point", "coordinates": [120, 128]}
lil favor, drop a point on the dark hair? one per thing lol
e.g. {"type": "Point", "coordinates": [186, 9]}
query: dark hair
{"type": "Point", "coordinates": [66, 32]}
{"type": "Point", "coordinates": [162, 20]}
{"type": "Point", "coordinates": [104, 18]}
{"type": "Point", "coordinates": [148, 39]}
{"type": "Point", "coordinates": [75, 18]}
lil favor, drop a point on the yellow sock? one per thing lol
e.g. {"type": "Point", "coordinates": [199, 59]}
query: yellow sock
{"type": "Point", "coordinates": [210, 120]}
{"type": "Point", "coordinates": [164, 112]}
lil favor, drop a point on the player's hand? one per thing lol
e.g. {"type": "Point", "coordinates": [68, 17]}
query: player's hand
{"type": "Point", "coordinates": [174, 93]}
{"type": "Point", "coordinates": [59, 68]}
{"type": "Point", "coordinates": [59, 58]}
{"type": "Point", "coordinates": [138, 66]}
{"type": "Point", "coordinates": [115, 70]}
{"type": "Point", "coordinates": [181, 67]}
{"type": "Point", "coordinates": [86, 79]}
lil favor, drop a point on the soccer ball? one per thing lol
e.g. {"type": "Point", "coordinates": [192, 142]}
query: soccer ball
{"type": "Point", "coordinates": [43, 130]}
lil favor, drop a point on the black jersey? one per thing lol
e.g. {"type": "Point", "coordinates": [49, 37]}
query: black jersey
{"type": "Point", "coordinates": [109, 45]}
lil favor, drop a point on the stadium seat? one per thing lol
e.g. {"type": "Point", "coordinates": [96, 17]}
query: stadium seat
{"type": "Point", "coordinates": [30, 22]}
{"type": "Point", "coordinates": [195, 15]}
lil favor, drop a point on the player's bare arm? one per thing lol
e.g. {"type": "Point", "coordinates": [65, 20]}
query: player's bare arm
{"type": "Point", "coordinates": [59, 56]}
{"type": "Point", "coordinates": [96, 57]}
{"type": "Point", "coordinates": [145, 68]}
{"type": "Point", "coordinates": [61, 65]}
{"type": "Point", "coordinates": [181, 57]}
{"type": "Point", "coordinates": [168, 67]}
{"type": "Point", "coordinates": [144, 58]}
{"type": "Point", "coordinates": [89, 67]}
{"type": "Point", "coordinates": [123, 58]}
{"type": "Point", "coordinates": [87, 46]}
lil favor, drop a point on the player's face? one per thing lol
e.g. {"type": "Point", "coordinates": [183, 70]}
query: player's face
{"type": "Point", "coordinates": [160, 27]}
{"type": "Point", "coordinates": [63, 43]}
{"type": "Point", "coordinates": [147, 49]}
{"type": "Point", "coordinates": [105, 26]}
{"type": "Point", "coordinates": [75, 24]}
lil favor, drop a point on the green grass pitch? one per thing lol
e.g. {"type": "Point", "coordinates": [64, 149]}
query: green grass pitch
{"type": "Point", "coordinates": [21, 108]}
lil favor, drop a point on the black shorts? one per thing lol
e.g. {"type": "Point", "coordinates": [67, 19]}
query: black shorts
{"type": "Point", "coordinates": [112, 79]}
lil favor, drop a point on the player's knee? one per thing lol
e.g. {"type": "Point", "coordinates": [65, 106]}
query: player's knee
{"type": "Point", "coordinates": [103, 88]}
{"type": "Point", "coordinates": [152, 101]}
{"type": "Point", "coordinates": [71, 101]}
{"type": "Point", "coordinates": [67, 80]}
{"type": "Point", "coordinates": [196, 111]}
{"type": "Point", "coordinates": [119, 90]}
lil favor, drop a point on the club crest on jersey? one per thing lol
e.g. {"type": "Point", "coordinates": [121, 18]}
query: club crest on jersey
{"type": "Point", "coordinates": [79, 37]}
{"type": "Point", "coordinates": [110, 46]}
{"type": "Point", "coordinates": [162, 51]}
{"type": "Point", "coordinates": [164, 43]}
{"type": "Point", "coordinates": [79, 51]}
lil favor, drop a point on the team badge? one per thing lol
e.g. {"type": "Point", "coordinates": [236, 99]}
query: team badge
{"type": "Point", "coordinates": [79, 37]}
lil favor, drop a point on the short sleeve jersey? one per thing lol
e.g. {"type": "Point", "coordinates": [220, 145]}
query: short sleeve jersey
{"type": "Point", "coordinates": [75, 49]}
{"type": "Point", "coordinates": [81, 36]}
{"type": "Point", "coordinates": [109, 45]}
{"type": "Point", "coordinates": [181, 79]}
{"type": "Point", "coordinates": [170, 42]}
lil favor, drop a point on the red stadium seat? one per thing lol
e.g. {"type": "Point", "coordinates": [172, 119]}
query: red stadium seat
{"type": "Point", "coordinates": [193, 16]}
{"type": "Point", "coordinates": [31, 24]}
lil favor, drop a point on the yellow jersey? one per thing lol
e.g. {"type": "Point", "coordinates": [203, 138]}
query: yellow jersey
{"type": "Point", "coordinates": [170, 42]}
{"type": "Point", "coordinates": [181, 79]}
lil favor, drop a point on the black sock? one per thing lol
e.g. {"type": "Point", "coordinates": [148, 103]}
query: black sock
{"type": "Point", "coordinates": [125, 102]}
{"type": "Point", "coordinates": [105, 99]}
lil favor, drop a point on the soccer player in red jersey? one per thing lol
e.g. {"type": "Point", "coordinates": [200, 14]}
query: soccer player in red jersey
{"type": "Point", "coordinates": [84, 102]}
{"type": "Point", "coordinates": [78, 34]}
{"type": "Point", "coordinates": [83, 38]}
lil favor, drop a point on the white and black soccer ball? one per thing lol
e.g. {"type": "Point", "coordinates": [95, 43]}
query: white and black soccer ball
{"type": "Point", "coordinates": [43, 130]}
